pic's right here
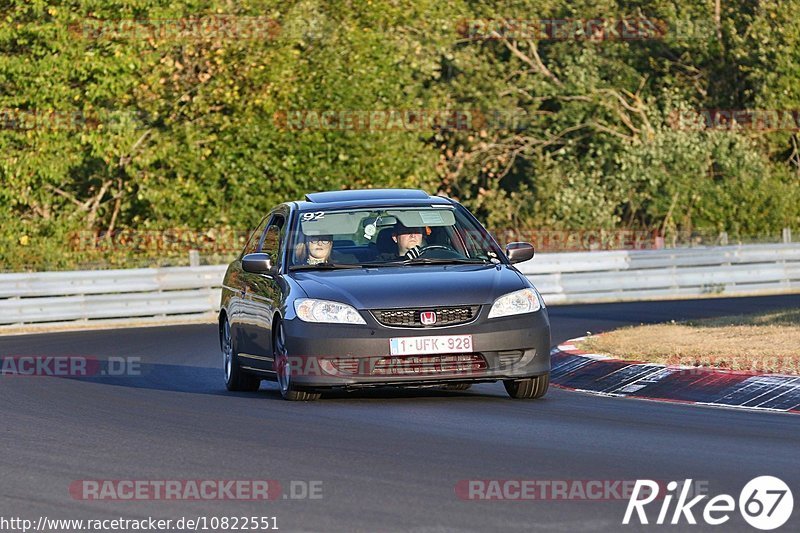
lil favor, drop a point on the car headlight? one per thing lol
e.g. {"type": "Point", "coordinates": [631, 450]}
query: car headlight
{"type": "Point", "coordinates": [516, 303]}
{"type": "Point", "coordinates": [311, 310]}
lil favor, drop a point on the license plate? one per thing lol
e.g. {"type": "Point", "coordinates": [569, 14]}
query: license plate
{"type": "Point", "coordinates": [431, 345]}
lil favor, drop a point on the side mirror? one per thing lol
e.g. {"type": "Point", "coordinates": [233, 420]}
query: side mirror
{"type": "Point", "coordinates": [257, 263]}
{"type": "Point", "coordinates": [518, 252]}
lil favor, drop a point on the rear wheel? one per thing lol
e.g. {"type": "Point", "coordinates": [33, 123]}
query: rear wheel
{"type": "Point", "coordinates": [235, 378]}
{"type": "Point", "coordinates": [528, 388]}
{"type": "Point", "coordinates": [284, 370]}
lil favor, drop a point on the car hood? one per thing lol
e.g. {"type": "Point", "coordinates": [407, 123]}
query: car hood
{"type": "Point", "coordinates": [411, 286]}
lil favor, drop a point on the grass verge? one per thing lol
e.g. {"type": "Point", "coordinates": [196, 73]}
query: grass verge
{"type": "Point", "coordinates": [763, 342]}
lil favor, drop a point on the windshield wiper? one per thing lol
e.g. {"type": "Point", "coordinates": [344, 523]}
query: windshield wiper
{"type": "Point", "coordinates": [402, 262]}
{"type": "Point", "coordinates": [382, 264]}
{"type": "Point", "coordinates": [442, 261]}
{"type": "Point", "coordinates": [323, 266]}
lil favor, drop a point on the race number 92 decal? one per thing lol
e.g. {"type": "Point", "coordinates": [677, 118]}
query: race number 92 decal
{"type": "Point", "coordinates": [317, 215]}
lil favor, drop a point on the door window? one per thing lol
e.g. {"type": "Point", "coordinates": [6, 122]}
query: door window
{"type": "Point", "coordinates": [255, 238]}
{"type": "Point", "coordinates": [272, 242]}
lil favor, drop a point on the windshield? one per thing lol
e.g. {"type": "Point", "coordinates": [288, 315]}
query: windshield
{"type": "Point", "coordinates": [388, 237]}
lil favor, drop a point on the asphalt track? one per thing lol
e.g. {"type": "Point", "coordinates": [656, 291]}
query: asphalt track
{"type": "Point", "coordinates": [388, 460]}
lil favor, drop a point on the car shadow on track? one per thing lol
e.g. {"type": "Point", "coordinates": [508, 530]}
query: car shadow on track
{"type": "Point", "coordinates": [164, 377]}
{"type": "Point", "coordinates": [204, 380]}
{"type": "Point", "coordinates": [390, 393]}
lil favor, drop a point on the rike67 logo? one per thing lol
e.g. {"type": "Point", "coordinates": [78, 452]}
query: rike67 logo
{"type": "Point", "coordinates": [765, 503]}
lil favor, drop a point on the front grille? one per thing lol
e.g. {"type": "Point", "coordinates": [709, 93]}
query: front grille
{"type": "Point", "coordinates": [414, 365]}
{"type": "Point", "coordinates": [410, 318]}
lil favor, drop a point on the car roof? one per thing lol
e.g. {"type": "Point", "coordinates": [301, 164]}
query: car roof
{"type": "Point", "coordinates": [370, 198]}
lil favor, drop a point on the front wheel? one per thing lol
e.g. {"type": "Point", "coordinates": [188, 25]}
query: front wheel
{"type": "Point", "coordinates": [235, 378]}
{"type": "Point", "coordinates": [528, 388]}
{"type": "Point", "coordinates": [283, 369]}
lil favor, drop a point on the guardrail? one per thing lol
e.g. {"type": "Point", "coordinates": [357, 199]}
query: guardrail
{"type": "Point", "coordinates": [27, 298]}
{"type": "Point", "coordinates": [649, 274]}
{"type": "Point", "coordinates": [101, 294]}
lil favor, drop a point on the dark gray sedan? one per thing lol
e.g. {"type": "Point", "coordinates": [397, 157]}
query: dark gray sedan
{"type": "Point", "coordinates": [380, 287]}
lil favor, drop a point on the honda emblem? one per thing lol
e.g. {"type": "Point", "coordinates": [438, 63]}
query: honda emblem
{"type": "Point", "coordinates": [427, 318]}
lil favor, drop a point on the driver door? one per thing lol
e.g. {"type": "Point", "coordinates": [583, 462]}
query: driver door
{"type": "Point", "coordinates": [263, 296]}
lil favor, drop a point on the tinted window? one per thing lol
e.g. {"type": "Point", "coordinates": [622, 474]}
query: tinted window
{"type": "Point", "coordinates": [369, 235]}
{"type": "Point", "coordinates": [252, 243]}
{"type": "Point", "coordinates": [274, 238]}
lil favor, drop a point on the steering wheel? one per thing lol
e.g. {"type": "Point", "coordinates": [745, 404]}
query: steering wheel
{"type": "Point", "coordinates": [449, 252]}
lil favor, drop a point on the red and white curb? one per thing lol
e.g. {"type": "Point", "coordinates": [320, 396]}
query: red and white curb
{"type": "Point", "coordinates": [577, 370]}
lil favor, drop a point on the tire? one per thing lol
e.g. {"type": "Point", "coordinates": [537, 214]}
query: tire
{"type": "Point", "coordinates": [528, 388]}
{"type": "Point", "coordinates": [283, 371]}
{"type": "Point", "coordinates": [457, 386]}
{"type": "Point", "coordinates": [236, 379]}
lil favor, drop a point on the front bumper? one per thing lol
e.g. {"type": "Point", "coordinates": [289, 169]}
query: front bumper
{"type": "Point", "coordinates": [338, 355]}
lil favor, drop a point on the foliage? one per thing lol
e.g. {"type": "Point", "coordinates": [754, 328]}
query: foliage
{"type": "Point", "coordinates": [104, 127]}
